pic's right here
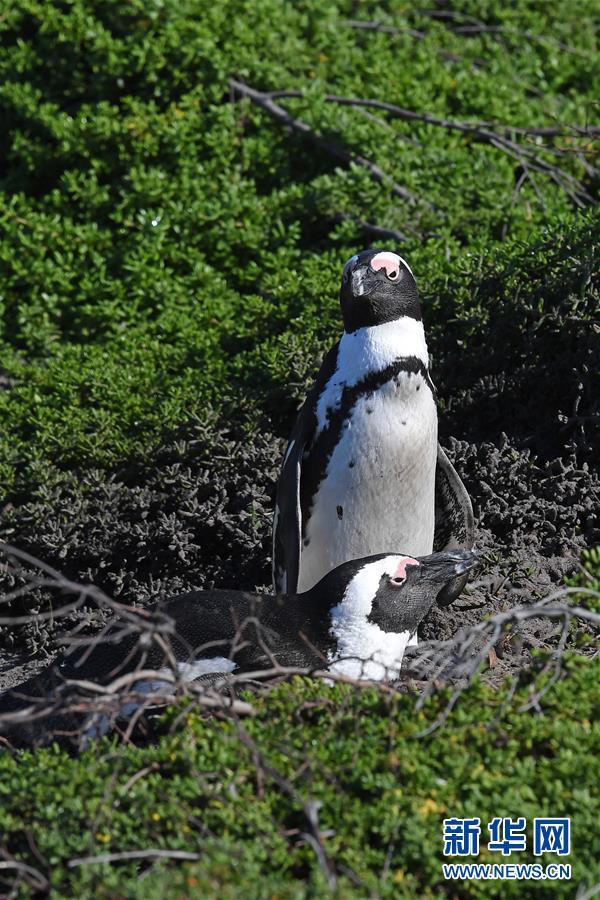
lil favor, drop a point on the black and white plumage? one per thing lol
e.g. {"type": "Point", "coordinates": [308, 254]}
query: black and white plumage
{"type": "Point", "coordinates": [363, 471]}
{"type": "Point", "coordinates": [356, 621]}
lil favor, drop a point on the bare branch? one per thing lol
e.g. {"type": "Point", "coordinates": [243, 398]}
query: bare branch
{"type": "Point", "coordinates": [462, 656]}
{"type": "Point", "coordinates": [412, 32]}
{"type": "Point", "coordinates": [95, 706]}
{"type": "Point", "coordinates": [310, 808]}
{"type": "Point", "coordinates": [587, 893]}
{"type": "Point", "coordinates": [32, 876]}
{"type": "Point", "coordinates": [385, 29]}
{"type": "Point", "coordinates": [265, 101]}
{"type": "Point", "coordinates": [474, 27]}
{"type": "Point", "coordinates": [525, 154]}
{"type": "Point", "coordinates": [132, 854]}
{"type": "Point", "coordinates": [153, 767]}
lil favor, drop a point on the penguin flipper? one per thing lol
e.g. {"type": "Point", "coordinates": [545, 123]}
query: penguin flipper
{"type": "Point", "coordinates": [454, 521]}
{"type": "Point", "coordinates": [287, 525]}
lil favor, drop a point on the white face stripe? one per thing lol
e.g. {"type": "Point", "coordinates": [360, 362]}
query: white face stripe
{"type": "Point", "coordinates": [359, 594]}
{"type": "Point", "coordinates": [386, 258]}
{"type": "Point", "coordinates": [363, 649]}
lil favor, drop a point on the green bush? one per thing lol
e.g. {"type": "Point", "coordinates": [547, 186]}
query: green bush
{"type": "Point", "coordinates": [163, 247]}
{"type": "Point", "coordinates": [383, 793]}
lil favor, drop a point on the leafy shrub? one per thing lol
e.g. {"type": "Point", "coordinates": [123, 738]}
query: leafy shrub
{"type": "Point", "coordinates": [163, 248]}
{"type": "Point", "coordinates": [383, 794]}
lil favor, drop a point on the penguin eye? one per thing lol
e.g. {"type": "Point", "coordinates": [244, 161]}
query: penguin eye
{"type": "Point", "coordinates": [393, 276]}
{"type": "Point", "coordinates": [397, 581]}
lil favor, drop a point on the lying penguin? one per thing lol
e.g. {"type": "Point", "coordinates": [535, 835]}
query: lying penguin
{"type": "Point", "coordinates": [363, 470]}
{"type": "Point", "coordinates": [357, 621]}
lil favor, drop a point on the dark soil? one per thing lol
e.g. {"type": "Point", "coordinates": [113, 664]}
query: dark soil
{"type": "Point", "coordinates": [200, 515]}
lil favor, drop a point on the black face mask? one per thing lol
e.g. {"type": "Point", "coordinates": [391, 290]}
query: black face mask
{"type": "Point", "coordinates": [377, 289]}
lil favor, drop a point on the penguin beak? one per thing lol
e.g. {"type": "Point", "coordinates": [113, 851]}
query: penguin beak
{"type": "Point", "coordinates": [466, 564]}
{"type": "Point", "coordinates": [450, 563]}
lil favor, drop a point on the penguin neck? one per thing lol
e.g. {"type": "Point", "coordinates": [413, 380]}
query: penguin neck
{"type": "Point", "coordinates": [363, 649]}
{"type": "Point", "coordinates": [374, 347]}
{"type": "Point", "coordinates": [355, 582]}
{"type": "Point", "coordinates": [363, 354]}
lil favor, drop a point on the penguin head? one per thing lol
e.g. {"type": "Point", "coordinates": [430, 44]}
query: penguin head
{"type": "Point", "coordinates": [392, 591]}
{"type": "Point", "coordinates": [377, 286]}
{"type": "Point", "coordinates": [405, 595]}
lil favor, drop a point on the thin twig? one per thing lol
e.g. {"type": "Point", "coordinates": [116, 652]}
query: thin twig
{"type": "Point", "coordinates": [153, 767]}
{"type": "Point", "coordinates": [265, 101]}
{"type": "Point", "coordinates": [310, 808]}
{"type": "Point", "coordinates": [514, 32]}
{"type": "Point", "coordinates": [584, 893]}
{"type": "Point", "coordinates": [385, 29]}
{"type": "Point", "coordinates": [523, 153]}
{"type": "Point", "coordinates": [132, 854]}
{"type": "Point", "coordinates": [472, 26]}
{"type": "Point", "coordinates": [412, 32]}
{"type": "Point", "coordinates": [34, 877]}
{"type": "Point", "coordinates": [461, 656]}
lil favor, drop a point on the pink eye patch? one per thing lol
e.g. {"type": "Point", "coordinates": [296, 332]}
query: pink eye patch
{"type": "Point", "coordinates": [403, 562]}
{"type": "Point", "coordinates": [391, 262]}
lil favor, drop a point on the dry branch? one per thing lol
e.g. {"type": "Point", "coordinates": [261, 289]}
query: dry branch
{"type": "Point", "coordinates": [463, 655]}
{"type": "Point", "coordinates": [34, 878]}
{"type": "Point", "coordinates": [266, 102]}
{"type": "Point", "coordinates": [310, 808]}
{"type": "Point", "coordinates": [454, 661]}
{"type": "Point", "coordinates": [412, 32]}
{"type": "Point", "coordinates": [584, 893]}
{"type": "Point", "coordinates": [384, 29]}
{"type": "Point", "coordinates": [470, 26]}
{"type": "Point", "coordinates": [470, 30]}
{"type": "Point", "coordinates": [526, 155]}
{"type": "Point", "coordinates": [132, 854]}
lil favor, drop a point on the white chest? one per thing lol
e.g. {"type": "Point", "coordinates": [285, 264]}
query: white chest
{"type": "Point", "coordinates": [378, 491]}
{"type": "Point", "coordinates": [370, 350]}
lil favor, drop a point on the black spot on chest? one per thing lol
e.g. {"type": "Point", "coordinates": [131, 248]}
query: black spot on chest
{"type": "Point", "coordinates": [319, 453]}
{"type": "Point", "coordinates": [340, 512]}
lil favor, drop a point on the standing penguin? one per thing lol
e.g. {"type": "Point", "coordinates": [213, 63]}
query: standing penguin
{"type": "Point", "coordinates": [363, 470]}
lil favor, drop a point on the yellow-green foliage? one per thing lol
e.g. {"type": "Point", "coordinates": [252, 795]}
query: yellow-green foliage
{"type": "Point", "coordinates": [383, 794]}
